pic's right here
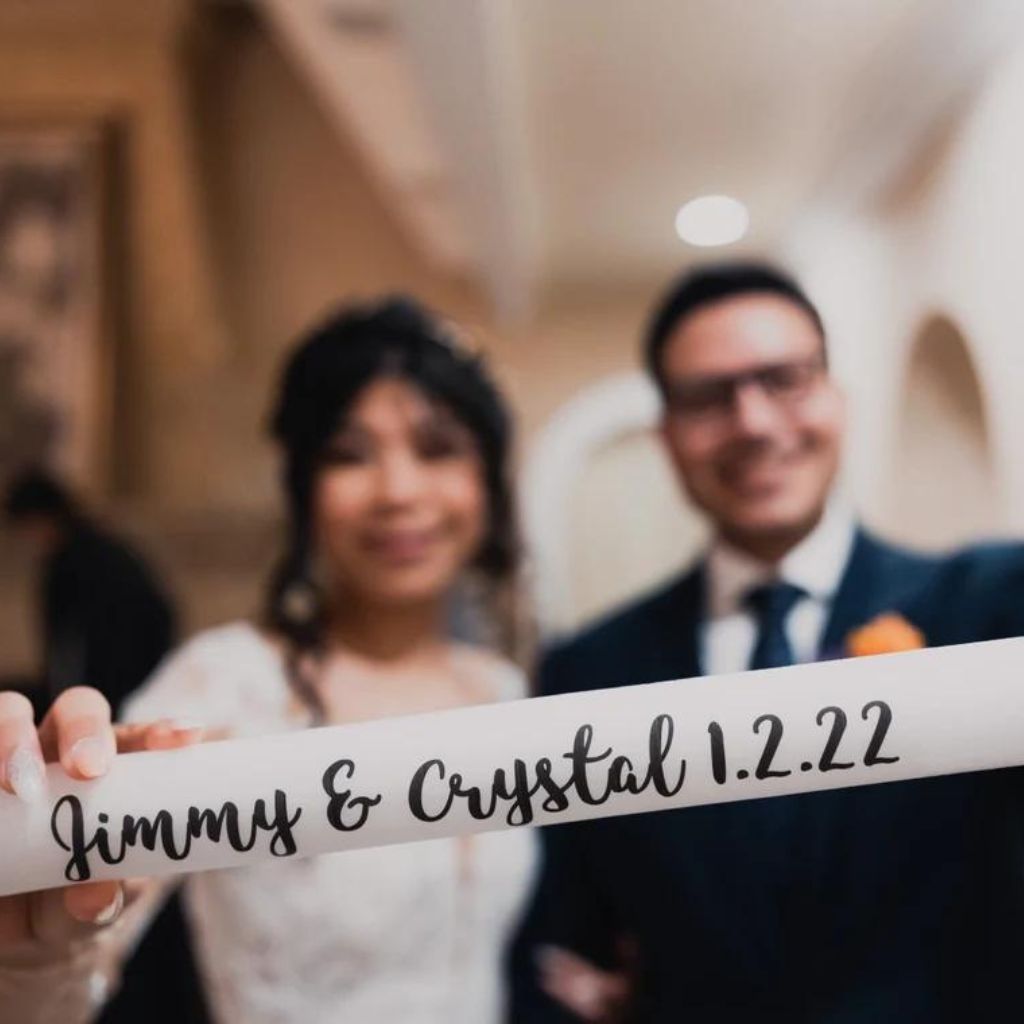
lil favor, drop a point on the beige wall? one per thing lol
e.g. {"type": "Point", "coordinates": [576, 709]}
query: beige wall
{"type": "Point", "coordinates": [947, 246]}
{"type": "Point", "coordinates": [942, 482]}
{"type": "Point", "coordinates": [245, 215]}
{"type": "Point", "coordinates": [109, 62]}
{"type": "Point", "coordinates": [295, 225]}
{"type": "Point", "coordinates": [117, 64]}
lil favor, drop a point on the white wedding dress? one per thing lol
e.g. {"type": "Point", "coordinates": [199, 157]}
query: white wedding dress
{"type": "Point", "coordinates": [412, 934]}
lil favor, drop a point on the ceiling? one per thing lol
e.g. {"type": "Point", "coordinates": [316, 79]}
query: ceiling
{"type": "Point", "coordinates": [532, 143]}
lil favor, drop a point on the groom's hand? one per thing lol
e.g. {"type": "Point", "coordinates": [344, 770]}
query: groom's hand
{"type": "Point", "coordinates": [587, 991]}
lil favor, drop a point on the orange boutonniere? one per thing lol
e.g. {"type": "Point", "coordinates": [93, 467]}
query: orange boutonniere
{"type": "Point", "coordinates": [885, 634]}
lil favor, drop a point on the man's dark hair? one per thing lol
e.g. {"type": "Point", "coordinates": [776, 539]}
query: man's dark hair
{"type": "Point", "coordinates": [35, 492]}
{"type": "Point", "coordinates": [714, 283]}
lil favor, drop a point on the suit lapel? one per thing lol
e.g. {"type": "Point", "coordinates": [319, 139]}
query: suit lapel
{"type": "Point", "coordinates": [857, 599]}
{"type": "Point", "coordinates": [675, 640]}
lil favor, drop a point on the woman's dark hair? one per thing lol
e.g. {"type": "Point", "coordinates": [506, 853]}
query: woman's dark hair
{"type": "Point", "coordinates": [716, 282]}
{"type": "Point", "coordinates": [323, 377]}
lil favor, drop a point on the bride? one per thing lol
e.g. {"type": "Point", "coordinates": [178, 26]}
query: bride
{"type": "Point", "coordinates": [395, 448]}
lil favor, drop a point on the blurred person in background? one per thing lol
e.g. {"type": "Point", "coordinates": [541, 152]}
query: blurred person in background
{"type": "Point", "coordinates": [104, 614]}
{"type": "Point", "coordinates": [107, 619]}
{"type": "Point", "coordinates": [900, 904]}
{"type": "Point", "coordinates": [396, 447]}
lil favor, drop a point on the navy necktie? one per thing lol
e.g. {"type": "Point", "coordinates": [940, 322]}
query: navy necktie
{"type": "Point", "coordinates": [771, 604]}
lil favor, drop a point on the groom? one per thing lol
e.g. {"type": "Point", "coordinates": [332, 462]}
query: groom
{"type": "Point", "coordinates": [894, 904]}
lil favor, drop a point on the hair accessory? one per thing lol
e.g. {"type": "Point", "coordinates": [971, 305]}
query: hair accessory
{"type": "Point", "coordinates": [458, 340]}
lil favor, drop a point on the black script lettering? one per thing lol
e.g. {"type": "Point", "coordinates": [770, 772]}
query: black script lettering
{"type": "Point", "coordinates": [718, 769]}
{"type": "Point", "coordinates": [873, 757]}
{"type": "Point", "coordinates": [474, 796]}
{"type": "Point", "coordinates": [660, 743]}
{"type": "Point", "coordinates": [580, 757]}
{"type": "Point", "coordinates": [146, 832]}
{"type": "Point", "coordinates": [517, 787]}
{"type": "Point", "coordinates": [77, 869]}
{"type": "Point", "coordinates": [835, 736]}
{"type": "Point", "coordinates": [621, 777]}
{"type": "Point", "coordinates": [340, 801]}
{"type": "Point", "coordinates": [556, 800]}
{"type": "Point", "coordinates": [519, 793]}
{"type": "Point", "coordinates": [282, 842]}
{"type": "Point", "coordinates": [416, 791]}
{"type": "Point", "coordinates": [149, 832]}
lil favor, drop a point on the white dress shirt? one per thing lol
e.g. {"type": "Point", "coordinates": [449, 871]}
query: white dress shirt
{"type": "Point", "coordinates": [816, 564]}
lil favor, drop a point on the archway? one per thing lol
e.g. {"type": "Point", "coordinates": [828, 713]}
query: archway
{"type": "Point", "coordinates": [942, 488]}
{"type": "Point", "coordinates": [603, 516]}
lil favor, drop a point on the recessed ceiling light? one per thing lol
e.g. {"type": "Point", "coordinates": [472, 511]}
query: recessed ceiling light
{"type": "Point", "coordinates": [712, 220]}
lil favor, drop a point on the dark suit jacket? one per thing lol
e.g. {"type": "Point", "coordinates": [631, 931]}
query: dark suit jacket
{"type": "Point", "coordinates": [106, 620]}
{"type": "Point", "coordinates": [891, 904]}
{"type": "Point", "coordinates": [978, 594]}
{"type": "Point", "coordinates": [107, 623]}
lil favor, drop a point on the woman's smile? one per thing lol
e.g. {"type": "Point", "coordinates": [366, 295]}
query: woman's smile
{"type": "Point", "coordinates": [404, 546]}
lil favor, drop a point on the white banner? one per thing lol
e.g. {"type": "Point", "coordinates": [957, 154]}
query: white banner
{"type": "Point", "coordinates": [532, 762]}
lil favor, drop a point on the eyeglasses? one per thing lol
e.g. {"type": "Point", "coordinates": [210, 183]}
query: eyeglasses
{"type": "Point", "coordinates": [714, 397]}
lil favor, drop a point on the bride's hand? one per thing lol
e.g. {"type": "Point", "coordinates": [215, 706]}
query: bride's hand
{"type": "Point", "coordinates": [77, 732]}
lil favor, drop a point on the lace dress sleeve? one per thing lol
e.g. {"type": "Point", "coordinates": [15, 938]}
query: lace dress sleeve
{"type": "Point", "coordinates": [510, 682]}
{"type": "Point", "coordinates": [198, 683]}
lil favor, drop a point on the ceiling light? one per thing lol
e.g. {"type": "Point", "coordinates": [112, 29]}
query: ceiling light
{"type": "Point", "coordinates": [712, 220]}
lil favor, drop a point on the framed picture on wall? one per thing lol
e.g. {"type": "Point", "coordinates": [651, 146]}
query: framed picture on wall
{"type": "Point", "coordinates": [55, 317]}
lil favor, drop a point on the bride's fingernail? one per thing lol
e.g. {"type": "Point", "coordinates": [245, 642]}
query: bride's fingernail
{"type": "Point", "coordinates": [110, 912]}
{"type": "Point", "coordinates": [25, 774]}
{"type": "Point", "coordinates": [186, 725]}
{"type": "Point", "coordinates": [90, 757]}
